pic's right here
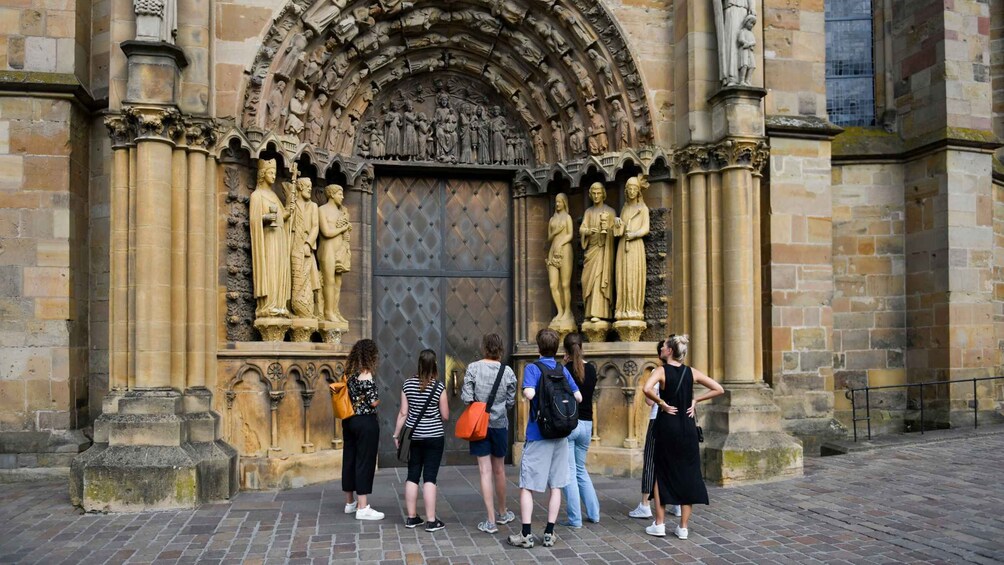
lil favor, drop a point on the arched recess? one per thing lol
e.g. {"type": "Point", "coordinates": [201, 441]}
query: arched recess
{"type": "Point", "coordinates": [553, 82]}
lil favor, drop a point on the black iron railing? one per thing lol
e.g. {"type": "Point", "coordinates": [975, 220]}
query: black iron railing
{"type": "Point", "coordinates": [852, 395]}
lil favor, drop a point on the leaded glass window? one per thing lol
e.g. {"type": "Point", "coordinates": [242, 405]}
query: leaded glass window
{"type": "Point", "coordinates": [850, 68]}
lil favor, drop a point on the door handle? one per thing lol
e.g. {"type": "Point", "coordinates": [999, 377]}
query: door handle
{"type": "Point", "coordinates": [453, 387]}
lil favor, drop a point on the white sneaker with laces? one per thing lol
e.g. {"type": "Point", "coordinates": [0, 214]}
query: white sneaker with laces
{"type": "Point", "coordinates": [351, 508]}
{"type": "Point", "coordinates": [682, 533]}
{"type": "Point", "coordinates": [675, 508]}
{"type": "Point", "coordinates": [368, 514]}
{"type": "Point", "coordinates": [657, 530]}
{"type": "Point", "coordinates": [641, 511]}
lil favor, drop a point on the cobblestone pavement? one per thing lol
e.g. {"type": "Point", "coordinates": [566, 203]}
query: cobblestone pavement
{"type": "Point", "coordinates": [938, 502]}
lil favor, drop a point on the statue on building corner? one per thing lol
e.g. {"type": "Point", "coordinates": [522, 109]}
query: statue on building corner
{"type": "Point", "coordinates": [731, 18]}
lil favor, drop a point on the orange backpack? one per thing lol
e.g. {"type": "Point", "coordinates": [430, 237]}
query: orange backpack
{"type": "Point", "coordinates": [341, 404]}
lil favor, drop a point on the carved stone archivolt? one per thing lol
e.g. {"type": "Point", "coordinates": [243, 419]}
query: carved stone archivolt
{"type": "Point", "coordinates": [340, 75]}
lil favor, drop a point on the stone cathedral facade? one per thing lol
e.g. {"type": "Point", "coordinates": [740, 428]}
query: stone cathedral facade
{"type": "Point", "coordinates": [823, 181]}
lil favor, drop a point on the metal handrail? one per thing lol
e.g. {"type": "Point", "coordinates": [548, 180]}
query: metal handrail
{"type": "Point", "coordinates": [850, 395]}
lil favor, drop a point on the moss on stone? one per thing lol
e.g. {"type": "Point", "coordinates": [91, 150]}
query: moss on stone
{"type": "Point", "coordinates": [759, 464]}
{"type": "Point", "coordinates": [856, 140]}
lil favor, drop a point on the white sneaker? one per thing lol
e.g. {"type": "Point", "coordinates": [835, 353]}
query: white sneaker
{"type": "Point", "coordinates": [351, 508]}
{"type": "Point", "coordinates": [368, 514]}
{"type": "Point", "coordinates": [681, 533]}
{"type": "Point", "coordinates": [675, 508]}
{"type": "Point", "coordinates": [641, 511]}
{"type": "Point", "coordinates": [658, 530]}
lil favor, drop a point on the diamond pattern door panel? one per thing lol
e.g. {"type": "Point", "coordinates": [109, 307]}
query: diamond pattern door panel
{"type": "Point", "coordinates": [441, 281]}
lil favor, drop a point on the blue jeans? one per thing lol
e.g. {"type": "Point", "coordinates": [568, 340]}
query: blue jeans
{"type": "Point", "coordinates": [580, 487]}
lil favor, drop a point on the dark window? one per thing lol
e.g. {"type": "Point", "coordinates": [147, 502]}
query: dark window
{"type": "Point", "coordinates": [850, 68]}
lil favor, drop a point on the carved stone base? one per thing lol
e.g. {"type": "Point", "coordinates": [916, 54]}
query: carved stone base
{"type": "Point", "coordinates": [630, 330]}
{"type": "Point", "coordinates": [332, 331]}
{"type": "Point", "coordinates": [563, 327]}
{"type": "Point", "coordinates": [272, 329]}
{"type": "Point", "coordinates": [302, 329]}
{"type": "Point", "coordinates": [596, 332]}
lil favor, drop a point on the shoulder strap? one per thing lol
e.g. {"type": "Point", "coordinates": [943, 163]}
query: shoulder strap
{"type": "Point", "coordinates": [495, 387]}
{"type": "Point", "coordinates": [683, 374]}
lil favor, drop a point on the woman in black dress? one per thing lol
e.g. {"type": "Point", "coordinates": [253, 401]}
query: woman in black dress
{"type": "Point", "coordinates": [678, 478]}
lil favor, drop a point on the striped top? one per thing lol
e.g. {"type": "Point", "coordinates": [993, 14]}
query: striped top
{"type": "Point", "coordinates": [431, 425]}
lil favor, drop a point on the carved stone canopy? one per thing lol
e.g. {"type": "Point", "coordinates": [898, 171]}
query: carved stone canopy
{"type": "Point", "coordinates": [541, 64]}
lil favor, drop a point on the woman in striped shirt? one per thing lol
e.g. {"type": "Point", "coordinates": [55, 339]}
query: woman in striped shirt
{"type": "Point", "coordinates": [427, 439]}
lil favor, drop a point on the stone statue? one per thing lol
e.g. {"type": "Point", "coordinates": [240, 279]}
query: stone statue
{"type": "Point", "coordinates": [156, 20]}
{"type": "Point", "coordinates": [269, 246]}
{"type": "Point", "coordinates": [445, 129]}
{"type": "Point", "coordinates": [559, 92]}
{"type": "Point", "coordinates": [730, 19]}
{"type": "Point", "coordinates": [377, 148]}
{"type": "Point", "coordinates": [424, 130]}
{"type": "Point", "coordinates": [409, 139]}
{"type": "Point", "coordinates": [297, 111]}
{"type": "Point", "coordinates": [596, 235]}
{"type": "Point", "coordinates": [747, 57]}
{"type": "Point", "coordinates": [322, 13]}
{"type": "Point", "coordinates": [315, 62]}
{"type": "Point", "coordinates": [392, 131]}
{"type": "Point", "coordinates": [621, 125]}
{"type": "Point", "coordinates": [464, 132]}
{"type": "Point", "coordinates": [566, 17]}
{"type": "Point", "coordinates": [602, 65]}
{"type": "Point", "coordinates": [333, 250]}
{"type": "Point", "coordinates": [576, 132]}
{"type": "Point", "coordinates": [539, 149]}
{"type": "Point", "coordinates": [303, 229]}
{"type": "Point", "coordinates": [558, 138]}
{"type": "Point", "coordinates": [631, 227]}
{"type": "Point", "coordinates": [294, 53]}
{"type": "Point", "coordinates": [598, 142]}
{"type": "Point", "coordinates": [273, 106]}
{"type": "Point", "coordinates": [315, 119]}
{"type": "Point", "coordinates": [498, 129]}
{"type": "Point", "coordinates": [484, 137]}
{"type": "Point", "coordinates": [580, 72]}
{"type": "Point", "coordinates": [335, 134]}
{"type": "Point", "coordinates": [559, 264]}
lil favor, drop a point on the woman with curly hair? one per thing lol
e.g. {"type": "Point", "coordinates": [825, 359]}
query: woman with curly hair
{"type": "Point", "coordinates": [361, 431]}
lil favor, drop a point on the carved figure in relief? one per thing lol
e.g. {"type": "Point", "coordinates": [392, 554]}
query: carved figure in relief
{"type": "Point", "coordinates": [569, 20]}
{"type": "Point", "coordinates": [747, 43]}
{"type": "Point", "coordinates": [445, 129]}
{"type": "Point", "coordinates": [631, 227]}
{"type": "Point", "coordinates": [346, 30]}
{"type": "Point", "coordinates": [602, 66]}
{"type": "Point", "coordinates": [525, 48]}
{"type": "Point", "coordinates": [576, 132]}
{"type": "Point", "coordinates": [523, 109]}
{"type": "Point", "coordinates": [507, 11]}
{"type": "Point", "coordinates": [552, 38]}
{"type": "Point", "coordinates": [333, 251]}
{"type": "Point", "coordinates": [273, 106]}
{"type": "Point", "coordinates": [730, 19]}
{"type": "Point", "coordinates": [421, 19]}
{"type": "Point", "coordinates": [348, 89]}
{"type": "Point", "coordinates": [363, 147]}
{"type": "Point", "coordinates": [427, 40]}
{"type": "Point", "coordinates": [377, 148]}
{"type": "Point", "coordinates": [322, 13]}
{"type": "Point", "coordinates": [621, 125]}
{"type": "Point", "coordinates": [296, 113]}
{"type": "Point", "coordinates": [409, 139]}
{"type": "Point", "coordinates": [539, 149]}
{"type": "Point", "coordinates": [392, 130]}
{"type": "Point", "coordinates": [424, 130]}
{"type": "Point", "coordinates": [464, 132]}
{"type": "Point", "coordinates": [596, 235]}
{"type": "Point", "coordinates": [559, 262]}
{"type": "Point", "coordinates": [269, 245]}
{"type": "Point", "coordinates": [303, 228]}
{"type": "Point", "coordinates": [558, 138]}
{"type": "Point", "coordinates": [335, 133]}
{"type": "Point", "coordinates": [580, 72]}
{"type": "Point", "coordinates": [559, 92]}
{"type": "Point", "coordinates": [498, 129]}
{"type": "Point", "coordinates": [315, 119]}
{"type": "Point", "coordinates": [484, 127]}
{"type": "Point", "coordinates": [598, 142]}
{"type": "Point", "coordinates": [294, 53]}
{"type": "Point", "coordinates": [315, 64]}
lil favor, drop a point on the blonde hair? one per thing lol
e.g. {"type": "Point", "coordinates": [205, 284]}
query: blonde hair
{"type": "Point", "coordinates": [678, 345]}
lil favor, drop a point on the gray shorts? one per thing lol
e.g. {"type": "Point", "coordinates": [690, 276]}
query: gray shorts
{"type": "Point", "coordinates": [544, 465]}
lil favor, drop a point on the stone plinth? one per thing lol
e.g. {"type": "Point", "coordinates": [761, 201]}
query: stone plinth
{"type": "Point", "coordinates": [744, 440]}
{"type": "Point", "coordinates": [737, 111]}
{"type": "Point", "coordinates": [154, 71]}
{"type": "Point", "coordinates": [154, 449]}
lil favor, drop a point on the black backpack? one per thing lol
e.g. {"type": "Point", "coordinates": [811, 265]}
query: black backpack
{"type": "Point", "coordinates": [557, 409]}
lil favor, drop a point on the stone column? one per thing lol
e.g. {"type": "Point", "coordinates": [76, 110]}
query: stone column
{"type": "Point", "coordinates": [121, 134]}
{"type": "Point", "coordinates": [198, 276]}
{"type": "Point", "coordinates": [179, 259]}
{"type": "Point", "coordinates": [697, 181]}
{"type": "Point", "coordinates": [745, 440]}
{"type": "Point", "coordinates": [716, 294]}
{"type": "Point", "coordinates": [521, 267]}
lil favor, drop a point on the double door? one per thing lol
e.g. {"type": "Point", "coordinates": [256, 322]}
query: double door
{"type": "Point", "coordinates": [442, 279]}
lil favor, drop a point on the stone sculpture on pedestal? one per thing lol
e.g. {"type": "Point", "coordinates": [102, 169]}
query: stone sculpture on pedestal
{"type": "Point", "coordinates": [269, 255]}
{"type": "Point", "coordinates": [335, 257]}
{"type": "Point", "coordinates": [306, 281]}
{"type": "Point", "coordinates": [559, 265]}
{"type": "Point", "coordinates": [631, 227]}
{"type": "Point", "coordinates": [596, 235]}
{"type": "Point", "coordinates": [730, 21]}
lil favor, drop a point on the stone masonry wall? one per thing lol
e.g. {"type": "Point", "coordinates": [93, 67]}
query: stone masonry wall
{"type": "Point", "coordinates": [794, 51]}
{"type": "Point", "coordinates": [869, 315]}
{"type": "Point", "coordinates": [798, 265]}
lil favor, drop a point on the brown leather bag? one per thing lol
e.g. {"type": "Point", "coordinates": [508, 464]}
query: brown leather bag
{"type": "Point", "coordinates": [341, 404]}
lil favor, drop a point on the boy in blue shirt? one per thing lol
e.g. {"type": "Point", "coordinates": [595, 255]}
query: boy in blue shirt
{"type": "Point", "coordinates": [544, 464]}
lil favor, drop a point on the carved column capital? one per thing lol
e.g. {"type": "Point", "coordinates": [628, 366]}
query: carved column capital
{"type": "Point", "coordinates": [520, 189]}
{"type": "Point", "coordinates": [693, 159]}
{"type": "Point", "coordinates": [740, 153]}
{"type": "Point", "coordinates": [200, 133]}
{"type": "Point", "coordinates": [154, 122]}
{"type": "Point", "coordinates": [364, 182]}
{"type": "Point", "coordinates": [121, 129]}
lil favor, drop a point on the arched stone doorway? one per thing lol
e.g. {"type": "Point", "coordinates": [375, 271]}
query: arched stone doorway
{"type": "Point", "coordinates": [528, 97]}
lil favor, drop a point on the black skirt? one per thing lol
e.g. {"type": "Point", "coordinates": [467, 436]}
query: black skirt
{"type": "Point", "coordinates": [677, 453]}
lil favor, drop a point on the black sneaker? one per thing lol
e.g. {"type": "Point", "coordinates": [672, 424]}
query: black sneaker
{"type": "Point", "coordinates": [412, 521]}
{"type": "Point", "coordinates": [434, 526]}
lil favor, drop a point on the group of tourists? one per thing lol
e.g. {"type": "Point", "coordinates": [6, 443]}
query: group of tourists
{"type": "Point", "coordinates": [558, 434]}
